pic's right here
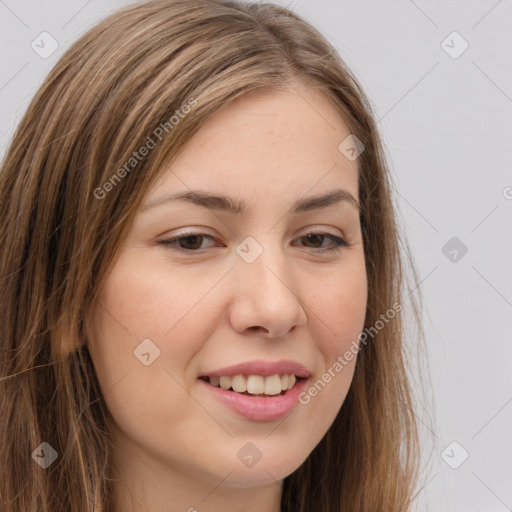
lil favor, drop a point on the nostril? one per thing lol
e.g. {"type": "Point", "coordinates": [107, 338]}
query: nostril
{"type": "Point", "coordinates": [257, 328]}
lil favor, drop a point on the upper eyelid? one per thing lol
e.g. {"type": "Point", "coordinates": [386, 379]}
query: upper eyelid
{"type": "Point", "coordinates": [191, 232]}
{"type": "Point", "coordinates": [199, 230]}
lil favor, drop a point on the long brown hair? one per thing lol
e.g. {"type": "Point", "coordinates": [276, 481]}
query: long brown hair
{"type": "Point", "coordinates": [102, 101]}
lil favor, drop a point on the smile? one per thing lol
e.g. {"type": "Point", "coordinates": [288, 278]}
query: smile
{"type": "Point", "coordinates": [255, 385]}
{"type": "Point", "coordinates": [256, 407]}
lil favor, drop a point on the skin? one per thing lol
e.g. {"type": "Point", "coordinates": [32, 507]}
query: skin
{"type": "Point", "coordinates": [175, 447]}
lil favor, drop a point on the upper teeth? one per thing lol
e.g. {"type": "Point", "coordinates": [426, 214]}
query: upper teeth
{"type": "Point", "coordinates": [255, 384]}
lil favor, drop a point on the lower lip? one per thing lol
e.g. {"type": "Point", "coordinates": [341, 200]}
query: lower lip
{"type": "Point", "coordinates": [259, 408]}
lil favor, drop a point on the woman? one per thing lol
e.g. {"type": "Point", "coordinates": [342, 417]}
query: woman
{"type": "Point", "coordinates": [201, 276]}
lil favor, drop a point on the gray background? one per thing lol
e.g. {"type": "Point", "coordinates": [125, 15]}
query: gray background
{"type": "Point", "coordinates": [445, 121]}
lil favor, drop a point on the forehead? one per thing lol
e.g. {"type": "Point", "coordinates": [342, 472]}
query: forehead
{"type": "Point", "coordinates": [267, 143]}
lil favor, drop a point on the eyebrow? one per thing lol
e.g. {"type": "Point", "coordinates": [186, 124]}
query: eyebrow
{"type": "Point", "coordinates": [240, 207]}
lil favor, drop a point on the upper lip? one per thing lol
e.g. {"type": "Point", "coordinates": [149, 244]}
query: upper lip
{"type": "Point", "coordinates": [263, 368]}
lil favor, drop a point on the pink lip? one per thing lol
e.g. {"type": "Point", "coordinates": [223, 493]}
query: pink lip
{"type": "Point", "coordinates": [263, 368]}
{"type": "Point", "coordinates": [258, 408]}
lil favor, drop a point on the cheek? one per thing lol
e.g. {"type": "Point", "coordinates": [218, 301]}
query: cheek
{"type": "Point", "coordinates": [340, 310]}
{"type": "Point", "coordinates": [150, 302]}
{"type": "Point", "coordinates": [339, 319]}
{"type": "Point", "coordinates": [138, 302]}
{"type": "Point", "coordinates": [134, 306]}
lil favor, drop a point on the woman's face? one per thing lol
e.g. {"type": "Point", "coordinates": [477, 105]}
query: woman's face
{"type": "Point", "coordinates": [234, 288]}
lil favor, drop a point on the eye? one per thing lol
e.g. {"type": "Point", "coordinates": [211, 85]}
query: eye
{"type": "Point", "coordinates": [336, 241]}
{"type": "Point", "coordinates": [192, 242]}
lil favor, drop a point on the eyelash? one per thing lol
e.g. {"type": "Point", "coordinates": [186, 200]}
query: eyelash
{"type": "Point", "coordinates": [169, 242]}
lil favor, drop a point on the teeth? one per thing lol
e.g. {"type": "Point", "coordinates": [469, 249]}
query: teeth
{"type": "Point", "coordinates": [273, 385]}
{"type": "Point", "coordinates": [255, 384]}
{"type": "Point", "coordinates": [238, 384]}
{"type": "Point", "coordinates": [225, 382]}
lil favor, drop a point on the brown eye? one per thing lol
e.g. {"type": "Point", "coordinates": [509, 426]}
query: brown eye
{"type": "Point", "coordinates": [187, 243]}
{"type": "Point", "coordinates": [192, 242]}
{"type": "Point", "coordinates": [316, 239]}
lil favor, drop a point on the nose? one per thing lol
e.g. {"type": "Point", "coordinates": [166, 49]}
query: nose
{"type": "Point", "coordinates": [266, 296]}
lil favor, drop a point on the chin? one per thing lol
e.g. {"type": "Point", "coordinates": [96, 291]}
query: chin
{"type": "Point", "coordinates": [262, 472]}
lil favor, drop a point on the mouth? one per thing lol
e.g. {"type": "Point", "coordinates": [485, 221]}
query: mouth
{"type": "Point", "coordinates": [257, 390]}
{"type": "Point", "coordinates": [255, 385]}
